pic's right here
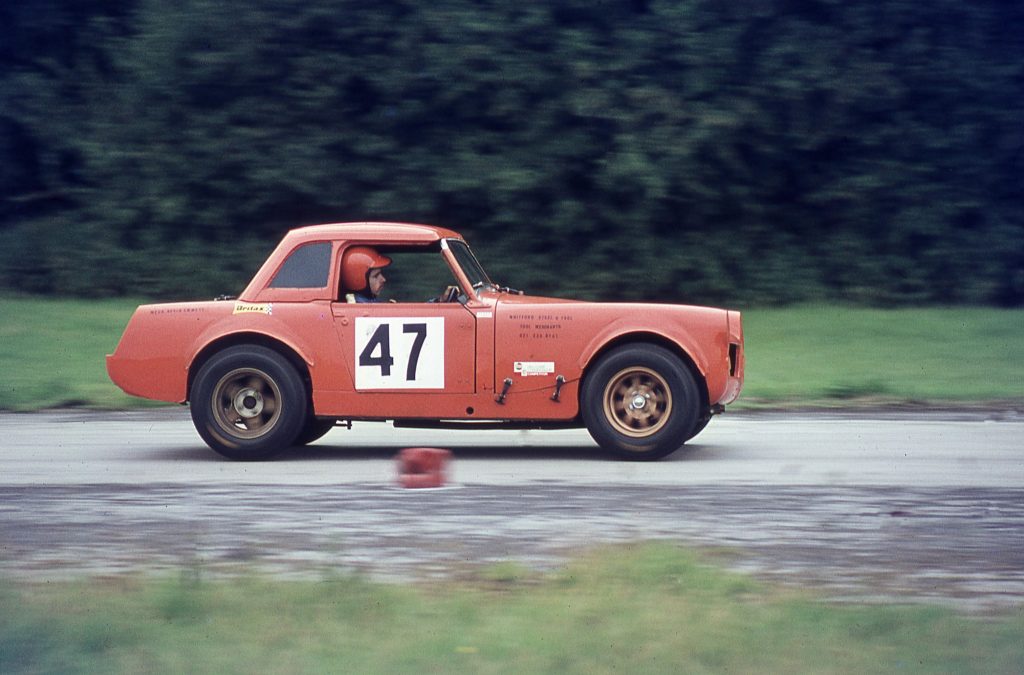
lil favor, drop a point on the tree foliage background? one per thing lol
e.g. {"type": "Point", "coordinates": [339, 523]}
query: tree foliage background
{"type": "Point", "coordinates": [768, 151]}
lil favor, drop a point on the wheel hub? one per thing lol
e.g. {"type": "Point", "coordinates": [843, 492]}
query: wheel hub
{"type": "Point", "coordinates": [248, 403]}
{"type": "Point", "coordinates": [637, 401]}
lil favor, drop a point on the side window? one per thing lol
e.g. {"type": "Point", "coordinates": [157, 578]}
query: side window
{"type": "Point", "coordinates": [307, 267]}
{"type": "Point", "coordinates": [416, 275]}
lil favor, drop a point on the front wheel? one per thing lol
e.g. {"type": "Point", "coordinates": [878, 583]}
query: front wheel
{"type": "Point", "coordinates": [640, 402]}
{"type": "Point", "coordinates": [248, 403]}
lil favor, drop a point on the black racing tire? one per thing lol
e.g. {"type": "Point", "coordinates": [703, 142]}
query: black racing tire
{"type": "Point", "coordinates": [315, 429]}
{"type": "Point", "coordinates": [702, 423]}
{"type": "Point", "coordinates": [640, 402]}
{"type": "Point", "coordinates": [248, 403]}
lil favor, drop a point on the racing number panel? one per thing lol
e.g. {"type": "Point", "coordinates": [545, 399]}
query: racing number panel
{"type": "Point", "coordinates": [399, 352]}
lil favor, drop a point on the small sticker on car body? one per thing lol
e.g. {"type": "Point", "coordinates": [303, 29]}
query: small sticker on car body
{"type": "Point", "coordinates": [531, 368]}
{"type": "Point", "coordinates": [249, 308]}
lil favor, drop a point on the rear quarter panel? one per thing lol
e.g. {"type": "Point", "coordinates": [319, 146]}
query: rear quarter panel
{"type": "Point", "coordinates": [151, 360]}
{"type": "Point", "coordinates": [160, 343]}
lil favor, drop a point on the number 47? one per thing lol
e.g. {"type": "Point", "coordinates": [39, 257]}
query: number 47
{"type": "Point", "coordinates": [381, 339]}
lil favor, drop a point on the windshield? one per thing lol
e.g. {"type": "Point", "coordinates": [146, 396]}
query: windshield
{"type": "Point", "coordinates": [468, 262]}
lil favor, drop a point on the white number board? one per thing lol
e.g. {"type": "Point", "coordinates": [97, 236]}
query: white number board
{"type": "Point", "coordinates": [399, 353]}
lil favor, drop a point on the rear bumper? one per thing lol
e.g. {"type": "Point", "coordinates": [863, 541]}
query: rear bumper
{"type": "Point", "coordinates": [157, 379]}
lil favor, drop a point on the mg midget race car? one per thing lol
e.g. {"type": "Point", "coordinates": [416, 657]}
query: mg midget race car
{"type": "Point", "coordinates": [307, 346]}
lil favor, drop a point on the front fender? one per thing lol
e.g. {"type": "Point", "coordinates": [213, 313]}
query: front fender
{"type": "Point", "coordinates": [623, 329]}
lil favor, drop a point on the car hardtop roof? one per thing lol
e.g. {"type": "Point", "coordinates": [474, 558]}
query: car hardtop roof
{"type": "Point", "coordinates": [372, 231]}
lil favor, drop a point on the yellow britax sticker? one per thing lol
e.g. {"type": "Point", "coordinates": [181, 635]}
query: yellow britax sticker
{"type": "Point", "coordinates": [249, 308]}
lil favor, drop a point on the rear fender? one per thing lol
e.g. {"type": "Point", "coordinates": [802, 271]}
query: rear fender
{"type": "Point", "coordinates": [284, 341]}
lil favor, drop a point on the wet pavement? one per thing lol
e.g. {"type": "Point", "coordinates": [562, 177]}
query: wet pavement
{"type": "Point", "coordinates": [920, 510]}
{"type": "Point", "coordinates": [962, 547]}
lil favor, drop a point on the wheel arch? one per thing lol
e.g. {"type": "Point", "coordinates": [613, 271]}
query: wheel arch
{"type": "Point", "coordinates": [641, 338]}
{"type": "Point", "coordinates": [249, 338]}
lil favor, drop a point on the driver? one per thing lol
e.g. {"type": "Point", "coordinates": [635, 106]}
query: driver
{"type": "Point", "coordinates": [362, 274]}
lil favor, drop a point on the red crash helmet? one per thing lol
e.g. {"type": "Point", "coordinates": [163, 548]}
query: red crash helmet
{"type": "Point", "coordinates": [356, 264]}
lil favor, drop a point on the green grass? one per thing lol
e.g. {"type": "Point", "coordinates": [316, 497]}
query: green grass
{"type": "Point", "coordinates": [839, 353]}
{"type": "Point", "coordinates": [52, 354]}
{"type": "Point", "coordinates": [651, 608]}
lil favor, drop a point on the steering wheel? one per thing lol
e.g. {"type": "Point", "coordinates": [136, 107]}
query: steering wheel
{"type": "Point", "coordinates": [450, 294]}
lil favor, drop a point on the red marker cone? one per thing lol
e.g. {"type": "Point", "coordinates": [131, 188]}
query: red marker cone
{"type": "Point", "coordinates": [422, 467]}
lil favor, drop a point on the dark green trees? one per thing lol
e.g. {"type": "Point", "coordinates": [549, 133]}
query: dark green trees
{"type": "Point", "coordinates": [688, 151]}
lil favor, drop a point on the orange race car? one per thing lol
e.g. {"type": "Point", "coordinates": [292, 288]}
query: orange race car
{"type": "Point", "coordinates": [311, 343]}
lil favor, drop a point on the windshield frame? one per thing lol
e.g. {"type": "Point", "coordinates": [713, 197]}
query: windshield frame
{"type": "Point", "coordinates": [467, 262]}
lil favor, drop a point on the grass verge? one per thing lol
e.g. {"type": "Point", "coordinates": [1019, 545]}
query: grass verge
{"type": "Point", "coordinates": [843, 355]}
{"type": "Point", "coordinates": [644, 608]}
{"type": "Point", "coordinates": [52, 354]}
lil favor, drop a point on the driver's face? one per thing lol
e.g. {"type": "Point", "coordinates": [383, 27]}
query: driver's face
{"type": "Point", "coordinates": [376, 280]}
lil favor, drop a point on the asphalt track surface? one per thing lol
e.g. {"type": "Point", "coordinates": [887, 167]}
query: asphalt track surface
{"type": "Point", "coordinates": [912, 507]}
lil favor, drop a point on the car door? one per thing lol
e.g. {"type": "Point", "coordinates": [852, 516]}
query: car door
{"type": "Point", "coordinates": [408, 350]}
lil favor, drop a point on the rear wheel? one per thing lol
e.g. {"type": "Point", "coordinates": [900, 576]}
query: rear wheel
{"type": "Point", "coordinates": [248, 403]}
{"type": "Point", "coordinates": [640, 402]}
{"type": "Point", "coordinates": [315, 429]}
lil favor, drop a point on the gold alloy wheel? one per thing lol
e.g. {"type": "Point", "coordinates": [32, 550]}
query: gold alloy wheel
{"type": "Point", "coordinates": [637, 401]}
{"type": "Point", "coordinates": [246, 403]}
